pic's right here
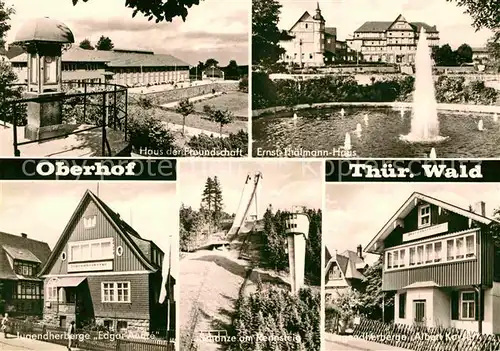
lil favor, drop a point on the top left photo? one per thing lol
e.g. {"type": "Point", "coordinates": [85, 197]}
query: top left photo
{"type": "Point", "coordinates": [88, 78]}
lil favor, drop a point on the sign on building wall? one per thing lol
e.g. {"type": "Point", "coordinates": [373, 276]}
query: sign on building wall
{"type": "Point", "coordinates": [90, 266]}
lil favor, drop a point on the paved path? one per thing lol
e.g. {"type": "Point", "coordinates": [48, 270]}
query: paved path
{"type": "Point", "coordinates": [191, 131]}
{"type": "Point", "coordinates": [335, 342]}
{"type": "Point", "coordinates": [193, 99]}
{"type": "Point", "coordinates": [13, 343]}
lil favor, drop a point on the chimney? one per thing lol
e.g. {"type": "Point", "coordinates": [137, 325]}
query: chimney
{"type": "Point", "coordinates": [24, 235]}
{"type": "Point", "coordinates": [360, 251]}
{"type": "Point", "coordinates": [479, 208]}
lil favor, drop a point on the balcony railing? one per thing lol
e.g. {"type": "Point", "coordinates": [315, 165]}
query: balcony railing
{"type": "Point", "coordinates": [89, 104]}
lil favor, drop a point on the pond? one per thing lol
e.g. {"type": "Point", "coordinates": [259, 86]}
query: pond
{"type": "Point", "coordinates": [322, 133]}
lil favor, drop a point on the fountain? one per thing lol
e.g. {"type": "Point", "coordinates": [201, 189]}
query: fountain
{"type": "Point", "coordinates": [480, 125]}
{"type": "Point", "coordinates": [342, 112]}
{"type": "Point", "coordinates": [358, 128]}
{"type": "Point", "coordinates": [347, 142]}
{"type": "Point", "coordinates": [402, 112]}
{"type": "Point", "coordinates": [424, 121]}
{"type": "Point", "coordinates": [366, 119]}
{"type": "Point", "coordinates": [432, 154]}
{"type": "Point", "coordinates": [495, 117]}
{"type": "Point", "coordinates": [295, 117]}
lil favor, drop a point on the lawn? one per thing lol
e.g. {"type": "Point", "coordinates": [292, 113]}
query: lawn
{"type": "Point", "coordinates": [194, 121]}
{"type": "Point", "coordinates": [236, 102]}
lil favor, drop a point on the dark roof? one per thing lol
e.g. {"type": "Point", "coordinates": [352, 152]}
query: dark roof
{"type": "Point", "coordinates": [23, 248]}
{"type": "Point", "coordinates": [331, 31]}
{"type": "Point", "coordinates": [118, 58]}
{"type": "Point", "coordinates": [141, 247]}
{"type": "Point", "coordinates": [349, 263]}
{"type": "Point", "coordinates": [382, 26]}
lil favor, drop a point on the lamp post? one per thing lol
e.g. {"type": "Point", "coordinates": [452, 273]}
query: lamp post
{"type": "Point", "coordinates": [297, 230]}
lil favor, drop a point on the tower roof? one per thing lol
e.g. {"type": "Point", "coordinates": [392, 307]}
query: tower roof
{"type": "Point", "coordinates": [44, 29]}
{"type": "Point", "coordinates": [318, 16]}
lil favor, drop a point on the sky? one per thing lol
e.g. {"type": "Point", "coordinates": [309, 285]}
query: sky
{"type": "Point", "coordinates": [213, 29]}
{"type": "Point", "coordinates": [284, 183]}
{"type": "Point", "coordinates": [359, 211]}
{"type": "Point", "coordinates": [42, 209]}
{"type": "Point", "coordinates": [454, 26]}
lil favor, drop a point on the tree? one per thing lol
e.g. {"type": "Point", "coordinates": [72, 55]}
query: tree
{"type": "Point", "coordinates": [185, 108]}
{"type": "Point", "coordinates": [313, 247]}
{"type": "Point", "coordinates": [222, 117]}
{"type": "Point", "coordinates": [211, 62]}
{"type": "Point", "coordinates": [191, 227]}
{"type": "Point", "coordinates": [207, 197]}
{"type": "Point", "coordinates": [86, 45]}
{"type": "Point", "coordinates": [105, 44]}
{"type": "Point", "coordinates": [265, 34]}
{"type": "Point", "coordinates": [444, 56]}
{"type": "Point", "coordinates": [493, 47]}
{"type": "Point", "coordinates": [484, 13]}
{"type": "Point", "coordinates": [218, 203]}
{"type": "Point", "coordinates": [463, 54]}
{"type": "Point", "coordinates": [160, 10]}
{"type": "Point", "coordinates": [232, 70]}
{"type": "Point", "coordinates": [373, 298]}
{"type": "Point", "coordinates": [5, 13]}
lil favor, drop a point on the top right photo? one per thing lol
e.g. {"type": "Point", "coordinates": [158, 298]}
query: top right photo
{"type": "Point", "coordinates": [376, 79]}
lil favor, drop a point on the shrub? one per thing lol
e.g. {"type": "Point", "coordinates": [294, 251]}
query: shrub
{"type": "Point", "coordinates": [243, 84]}
{"type": "Point", "coordinates": [283, 320]}
{"type": "Point", "coordinates": [145, 102]}
{"type": "Point", "coordinates": [148, 132]}
{"type": "Point", "coordinates": [234, 142]}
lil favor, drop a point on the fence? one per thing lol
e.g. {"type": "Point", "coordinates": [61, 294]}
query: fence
{"type": "Point", "coordinates": [421, 338]}
{"type": "Point", "coordinates": [89, 340]}
{"type": "Point", "coordinates": [91, 104]}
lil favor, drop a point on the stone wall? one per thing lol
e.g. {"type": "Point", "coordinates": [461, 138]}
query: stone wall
{"type": "Point", "coordinates": [164, 97]}
{"type": "Point", "coordinates": [135, 327]}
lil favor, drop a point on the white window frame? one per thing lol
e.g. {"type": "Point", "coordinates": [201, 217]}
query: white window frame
{"type": "Point", "coordinates": [89, 222]}
{"type": "Point", "coordinates": [73, 244]}
{"type": "Point", "coordinates": [420, 216]}
{"type": "Point", "coordinates": [114, 289]}
{"type": "Point", "coordinates": [468, 302]}
{"type": "Point", "coordinates": [435, 259]}
{"type": "Point", "coordinates": [51, 291]}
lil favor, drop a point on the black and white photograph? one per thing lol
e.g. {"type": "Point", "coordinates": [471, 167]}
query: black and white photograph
{"type": "Point", "coordinates": [88, 265]}
{"type": "Point", "coordinates": [376, 78]}
{"type": "Point", "coordinates": [250, 246]}
{"type": "Point", "coordinates": [82, 78]}
{"type": "Point", "coordinates": [412, 266]}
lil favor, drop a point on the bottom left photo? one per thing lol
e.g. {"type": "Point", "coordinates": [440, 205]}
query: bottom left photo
{"type": "Point", "coordinates": [88, 265]}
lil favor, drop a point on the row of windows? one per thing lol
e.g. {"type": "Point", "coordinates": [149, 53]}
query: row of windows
{"type": "Point", "coordinates": [111, 292]}
{"type": "Point", "coordinates": [28, 291]}
{"type": "Point", "coordinates": [458, 248]}
{"type": "Point", "coordinates": [27, 269]}
{"type": "Point", "coordinates": [81, 66]}
{"type": "Point", "coordinates": [394, 34]}
{"type": "Point", "coordinates": [91, 250]}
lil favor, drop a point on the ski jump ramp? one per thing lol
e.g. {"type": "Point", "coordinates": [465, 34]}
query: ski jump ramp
{"type": "Point", "coordinates": [248, 209]}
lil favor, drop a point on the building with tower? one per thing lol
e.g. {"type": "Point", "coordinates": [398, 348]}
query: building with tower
{"type": "Point", "coordinates": [309, 42]}
{"type": "Point", "coordinates": [391, 41]}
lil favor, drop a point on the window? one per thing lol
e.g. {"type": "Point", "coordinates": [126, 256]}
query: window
{"type": "Point", "coordinates": [115, 292]}
{"type": "Point", "coordinates": [437, 251]}
{"type": "Point", "coordinates": [429, 253]}
{"type": "Point", "coordinates": [469, 246]}
{"type": "Point", "coordinates": [108, 324]}
{"type": "Point", "coordinates": [402, 257]}
{"type": "Point", "coordinates": [450, 249]}
{"type": "Point", "coordinates": [27, 269]}
{"type": "Point", "coordinates": [424, 216]}
{"type": "Point", "coordinates": [402, 305]}
{"type": "Point", "coordinates": [389, 260]}
{"type": "Point", "coordinates": [89, 222]}
{"type": "Point", "coordinates": [419, 311]}
{"type": "Point", "coordinates": [51, 293]}
{"type": "Point", "coordinates": [335, 273]}
{"type": "Point", "coordinates": [28, 290]}
{"type": "Point", "coordinates": [121, 325]}
{"type": "Point", "coordinates": [420, 254]}
{"type": "Point", "coordinates": [395, 259]}
{"type": "Point", "coordinates": [460, 248]}
{"type": "Point", "coordinates": [468, 305]}
{"type": "Point", "coordinates": [91, 250]}
{"type": "Point", "coordinates": [412, 256]}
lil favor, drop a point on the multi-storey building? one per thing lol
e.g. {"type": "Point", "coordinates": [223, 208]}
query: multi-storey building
{"type": "Point", "coordinates": [342, 271]}
{"type": "Point", "coordinates": [21, 258]}
{"type": "Point", "coordinates": [310, 43]}
{"type": "Point", "coordinates": [101, 270]}
{"type": "Point", "coordinates": [391, 42]}
{"type": "Point", "coordinates": [125, 67]}
{"type": "Point", "coordinates": [443, 265]}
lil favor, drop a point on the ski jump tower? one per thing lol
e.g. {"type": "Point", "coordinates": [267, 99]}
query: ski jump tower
{"type": "Point", "coordinates": [297, 230]}
{"type": "Point", "coordinates": [244, 219]}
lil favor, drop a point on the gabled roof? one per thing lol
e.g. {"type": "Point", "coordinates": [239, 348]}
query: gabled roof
{"type": "Point", "coordinates": [382, 26]}
{"type": "Point", "coordinates": [302, 18]}
{"type": "Point", "coordinates": [139, 246]}
{"type": "Point", "coordinates": [349, 264]}
{"type": "Point", "coordinates": [118, 58]}
{"type": "Point", "coordinates": [23, 248]}
{"type": "Point", "coordinates": [408, 206]}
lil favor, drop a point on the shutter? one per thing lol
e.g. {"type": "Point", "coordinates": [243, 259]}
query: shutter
{"type": "Point", "coordinates": [454, 305]}
{"type": "Point", "coordinates": [479, 305]}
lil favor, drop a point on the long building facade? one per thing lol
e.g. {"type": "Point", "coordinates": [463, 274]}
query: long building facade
{"type": "Point", "coordinates": [124, 67]}
{"type": "Point", "coordinates": [442, 264]}
{"type": "Point", "coordinates": [391, 42]}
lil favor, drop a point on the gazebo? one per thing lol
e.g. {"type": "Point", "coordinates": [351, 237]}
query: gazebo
{"type": "Point", "coordinates": [43, 39]}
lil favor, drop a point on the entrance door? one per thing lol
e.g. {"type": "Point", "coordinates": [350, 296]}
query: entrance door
{"type": "Point", "coordinates": [419, 312]}
{"type": "Point", "coordinates": [62, 321]}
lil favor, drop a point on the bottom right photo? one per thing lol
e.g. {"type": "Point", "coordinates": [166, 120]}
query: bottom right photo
{"type": "Point", "coordinates": [411, 266]}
